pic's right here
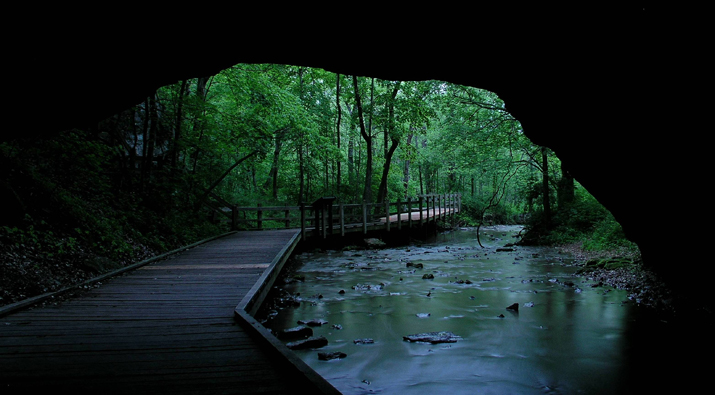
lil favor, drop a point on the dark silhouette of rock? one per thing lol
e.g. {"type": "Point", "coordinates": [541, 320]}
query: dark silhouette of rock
{"type": "Point", "coordinates": [313, 322]}
{"type": "Point", "coordinates": [513, 307]}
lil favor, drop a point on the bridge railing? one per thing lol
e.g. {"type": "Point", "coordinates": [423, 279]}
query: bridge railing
{"type": "Point", "coordinates": [324, 217]}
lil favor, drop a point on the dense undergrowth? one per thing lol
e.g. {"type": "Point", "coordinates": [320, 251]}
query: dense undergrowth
{"type": "Point", "coordinates": [68, 220]}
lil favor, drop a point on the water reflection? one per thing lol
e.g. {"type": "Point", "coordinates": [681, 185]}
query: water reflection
{"type": "Point", "coordinates": [567, 336]}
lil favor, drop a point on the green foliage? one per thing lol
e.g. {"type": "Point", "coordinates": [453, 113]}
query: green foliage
{"type": "Point", "coordinates": [584, 221]}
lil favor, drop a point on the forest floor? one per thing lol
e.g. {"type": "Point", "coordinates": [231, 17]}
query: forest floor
{"type": "Point", "coordinates": [27, 272]}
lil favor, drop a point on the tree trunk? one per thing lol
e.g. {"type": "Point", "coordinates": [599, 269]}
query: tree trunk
{"type": "Point", "coordinates": [394, 141]}
{"type": "Point", "coordinates": [218, 180]}
{"type": "Point", "coordinates": [406, 170]}
{"type": "Point", "coordinates": [566, 189]}
{"type": "Point", "coordinates": [545, 186]}
{"type": "Point", "coordinates": [272, 179]}
{"type": "Point", "coordinates": [337, 131]}
{"type": "Point", "coordinates": [367, 191]}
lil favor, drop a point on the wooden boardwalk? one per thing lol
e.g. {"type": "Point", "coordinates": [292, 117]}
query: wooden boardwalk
{"type": "Point", "coordinates": [174, 326]}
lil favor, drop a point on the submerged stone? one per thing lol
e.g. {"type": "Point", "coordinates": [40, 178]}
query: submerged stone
{"type": "Point", "coordinates": [364, 341]}
{"type": "Point", "coordinates": [433, 337]}
{"type": "Point", "coordinates": [428, 277]}
{"type": "Point", "coordinates": [326, 356]}
{"type": "Point", "coordinates": [311, 342]}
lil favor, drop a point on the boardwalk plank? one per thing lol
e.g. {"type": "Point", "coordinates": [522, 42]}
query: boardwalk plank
{"type": "Point", "coordinates": [167, 327]}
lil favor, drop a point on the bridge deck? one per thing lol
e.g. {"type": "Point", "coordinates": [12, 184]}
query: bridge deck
{"type": "Point", "coordinates": [168, 327]}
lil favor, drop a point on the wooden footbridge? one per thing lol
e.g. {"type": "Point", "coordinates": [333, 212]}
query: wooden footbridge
{"type": "Point", "coordinates": [180, 323]}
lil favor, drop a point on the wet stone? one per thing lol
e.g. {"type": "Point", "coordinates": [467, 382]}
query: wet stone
{"type": "Point", "coordinates": [513, 307]}
{"type": "Point", "coordinates": [298, 332]}
{"type": "Point", "coordinates": [433, 337]}
{"type": "Point", "coordinates": [428, 277]}
{"type": "Point", "coordinates": [364, 341]}
{"type": "Point", "coordinates": [313, 322]}
{"type": "Point", "coordinates": [311, 342]}
{"type": "Point", "coordinates": [326, 356]}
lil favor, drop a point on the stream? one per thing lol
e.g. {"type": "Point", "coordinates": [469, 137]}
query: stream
{"type": "Point", "coordinates": [569, 335]}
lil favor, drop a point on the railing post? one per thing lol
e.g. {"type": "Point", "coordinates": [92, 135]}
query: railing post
{"type": "Point", "coordinates": [422, 220]}
{"type": "Point", "coordinates": [259, 217]}
{"type": "Point", "coordinates": [317, 212]}
{"type": "Point", "coordinates": [330, 219]}
{"type": "Point", "coordinates": [409, 211]}
{"type": "Point", "coordinates": [287, 218]}
{"type": "Point", "coordinates": [342, 219]}
{"type": "Point", "coordinates": [364, 217]}
{"type": "Point", "coordinates": [387, 215]}
{"type": "Point", "coordinates": [399, 215]}
{"type": "Point", "coordinates": [434, 207]}
{"type": "Point", "coordinates": [443, 207]}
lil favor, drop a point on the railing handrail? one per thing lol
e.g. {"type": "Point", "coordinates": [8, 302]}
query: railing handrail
{"type": "Point", "coordinates": [430, 207]}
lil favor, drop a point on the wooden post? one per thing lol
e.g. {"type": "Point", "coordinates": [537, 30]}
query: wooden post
{"type": "Point", "coordinates": [434, 207]}
{"type": "Point", "coordinates": [387, 216]}
{"type": "Point", "coordinates": [259, 217]}
{"type": "Point", "coordinates": [443, 207]}
{"type": "Point", "coordinates": [342, 219]}
{"type": "Point", "coordinates": [364, 217]}
{"type": "Point", "coordinates": [422, 220]}
{"type": "Point", "coordinates": [330, 219]}
{"type": "Point", "coordinates": [409, 210]}
{"type": "Point", "coordinates": [399, 214]}
{"type": "Point", "coordinates": [287, 218]}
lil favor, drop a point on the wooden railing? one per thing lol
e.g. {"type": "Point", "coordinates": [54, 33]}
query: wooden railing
{"type": "Point", "coordinates": [323, 217]}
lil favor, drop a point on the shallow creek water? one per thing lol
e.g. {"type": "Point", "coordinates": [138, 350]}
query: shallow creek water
{"type": "Point", "coordinates": [567, 336]}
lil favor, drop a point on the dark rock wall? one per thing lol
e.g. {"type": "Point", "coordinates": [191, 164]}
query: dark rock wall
{"type": "Point", "coordinates": [610, 93]}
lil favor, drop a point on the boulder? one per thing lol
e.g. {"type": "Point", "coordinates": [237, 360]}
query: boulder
{"type": "Point", "coordinates": [513, 307]}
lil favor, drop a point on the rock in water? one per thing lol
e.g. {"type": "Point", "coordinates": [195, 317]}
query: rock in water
{"type": "Point", "coordinates": [433, 337]}
{"type": "Point", "coordinates": [326, 356]}
{"type": "Point", "coordinates": [314, 322]}
{"type": "Point", "coordinates": [299, 332]}
{"type": "Point", "coordinates": [364, 341]}
{"type": "Point", "coordinates": [311, 342]}
{"type": "Point", "coordinates": [428, 276]}
{"type": "Point", "coordinates": [514, 307]}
